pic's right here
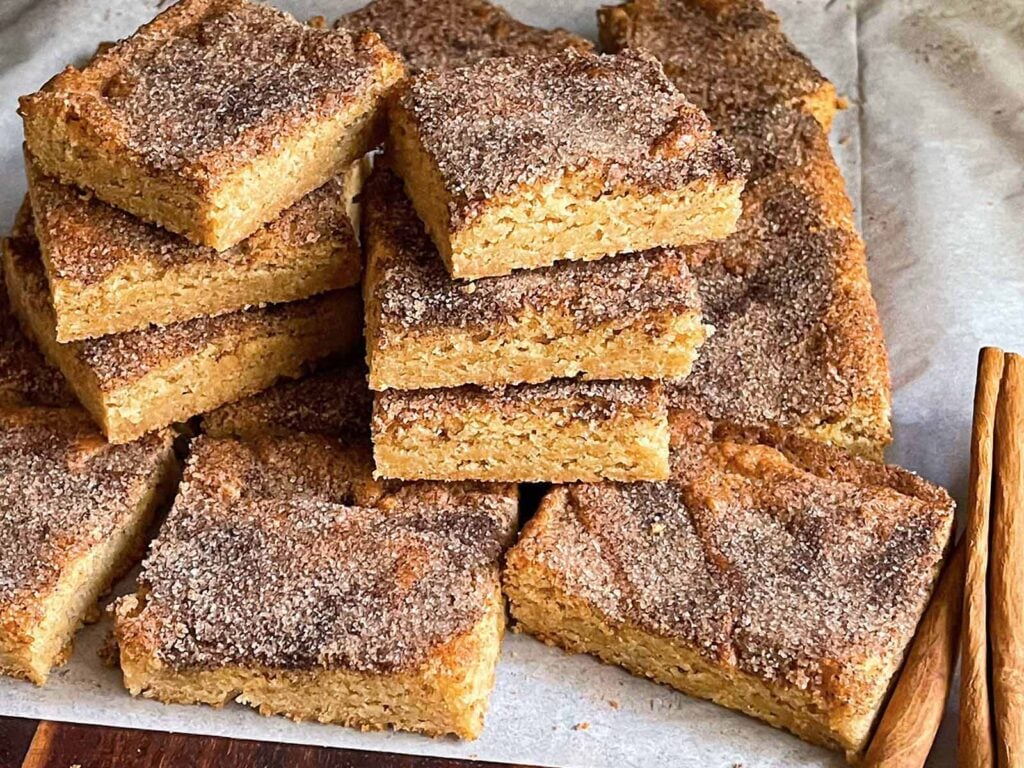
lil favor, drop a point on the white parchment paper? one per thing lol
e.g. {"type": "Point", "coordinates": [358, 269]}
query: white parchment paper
{"type": "Point", "coordinates": [932, 148]}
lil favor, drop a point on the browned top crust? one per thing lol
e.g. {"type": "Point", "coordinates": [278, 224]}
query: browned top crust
{"type": "Point", "coordinates": [797, 339]}
{"type": "Point", "coordinates": [272, 465]}
{"type": "Point", "coordinates": [443, 34]}
{"type": "Point", "coordinates": [415, 292]}
{"type": "Point", "coordinates": [503, 123]}
{"type": "Point", "coordinates": [730, 57]}
{"type": "Point", "coordinates": [64, 489]}
{"type": "Point", "coordinates": [773, 139]}
{"type": "Point", "coordinates": [25, 376]}
{"type": "Point", "coordinates": [210, 84]}
{"type": "Point", "coordinates": [585, 400]}
{"type": "Point", "coordinates": [333, 402]}
{"type": "Point", "coordinates": [87, 241]}
{"type": "Point", "coordinates": [264, 560]}
{"type": "Point", "coordinates": [782, 557]}
{"type": "Point", "coordinates": [126, 357]}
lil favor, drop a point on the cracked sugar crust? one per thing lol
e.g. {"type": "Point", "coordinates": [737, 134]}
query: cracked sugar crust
{"type": "Point", "coordinates": [87, 241]}
{"type": "Point", "coordinates": [25, 376]}
{"type": "Point", "coordinates": [507, 122]}
{"type": "Point", "coordinates": [295, 581]}
{"type": "Point", "coordinates": [583, 400]}
{"type": "Point", "coordinates": [64, 490]}
{"type": "Point", "coordinates": [125, 357]}
{"type": "Point", "coordinates": [415, 291]}
{"type": "Point", "coordinates": [796, 337]}
{"type": "Point", "coordinates": [210, 84]}
{"type": "Point", "coordinates": [443, 34]}
{"type": "Point", "coordinates": [333, 402]}
{"type": "Point", "coordinates": [783, 557]}
{"type": "Point", "coordinates": [727, 57]}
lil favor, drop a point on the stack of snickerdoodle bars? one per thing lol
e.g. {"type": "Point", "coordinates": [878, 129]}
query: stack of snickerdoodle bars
{"type": "Point", "coordinates": [186, 239]}
{"type": "Point", "coordinates": [635, 269]}
{"type": "Point", "coordinates": [518, 324]}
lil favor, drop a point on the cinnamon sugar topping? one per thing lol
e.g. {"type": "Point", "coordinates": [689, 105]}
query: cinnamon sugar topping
{"type": "Point", "coordinates": [333, 402]}
{"type": "Point", "coordinates": [727, 58]}
{"type": "Point", "coordinates": [798, 342]}
{"type": "Point", "coordinates": [787, 343]}
{"type": "Point", "coordinates": [64, 489]}
{"type": "Point", "coordinates": [507, 122]}
{"type": "Point", "coordinates": [210, 83]}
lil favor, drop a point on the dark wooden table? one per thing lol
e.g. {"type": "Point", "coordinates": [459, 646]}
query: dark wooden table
{"type": "Point", "coordinates": [34, 744]}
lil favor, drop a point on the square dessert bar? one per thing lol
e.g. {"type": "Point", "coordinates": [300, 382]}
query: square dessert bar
{"type": "Point", "coordinates": [521, 161]}
{"type": "Point", "coordinates": [560, 431]}
{"type": "Point", "coordinates": [213, 118]}
{"type": "Point", "coordinates": [729, 57]}
{"type": "Point", "coordinates": [288, 579]}
{"type": "Point", "coordinates": [135, 382]}
{"type": "Point", "coordinates": [73, 513]}
{"type": "Point", "coordinates": [771, 574]}
{"type": "Point", "coordinates": [443, 34]}
{"type": "Point", "coordinates": [334, 402]}
{"type": "Point", "coordinates": [628, 316]}
{"type": "Point", "coordinates": [109, 272]}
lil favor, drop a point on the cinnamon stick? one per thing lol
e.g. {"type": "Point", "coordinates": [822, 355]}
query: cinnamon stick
{"type": "Point", "coordinates": [975, 747]}
{"type": "Point", "coordinates": [905, 735]}
{"type": "Point", "coordinates": [1006, 572]}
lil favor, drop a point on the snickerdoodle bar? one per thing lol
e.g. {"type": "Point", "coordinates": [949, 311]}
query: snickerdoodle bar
{"type": "Point", "coordinates": [287, 578]}
{"type": "Point", "coordinates": [74, 510]}
{"type": "Point", "coordinates": [771, 574]}
{"type": "Point", "coordinates": [559, 431]}
{"type": "Point", "coordinates": [522, 161]}
{"type": "Point", "coordinates": [215, 117]}
{"type": "Point", "coordinates": [110, 272]}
